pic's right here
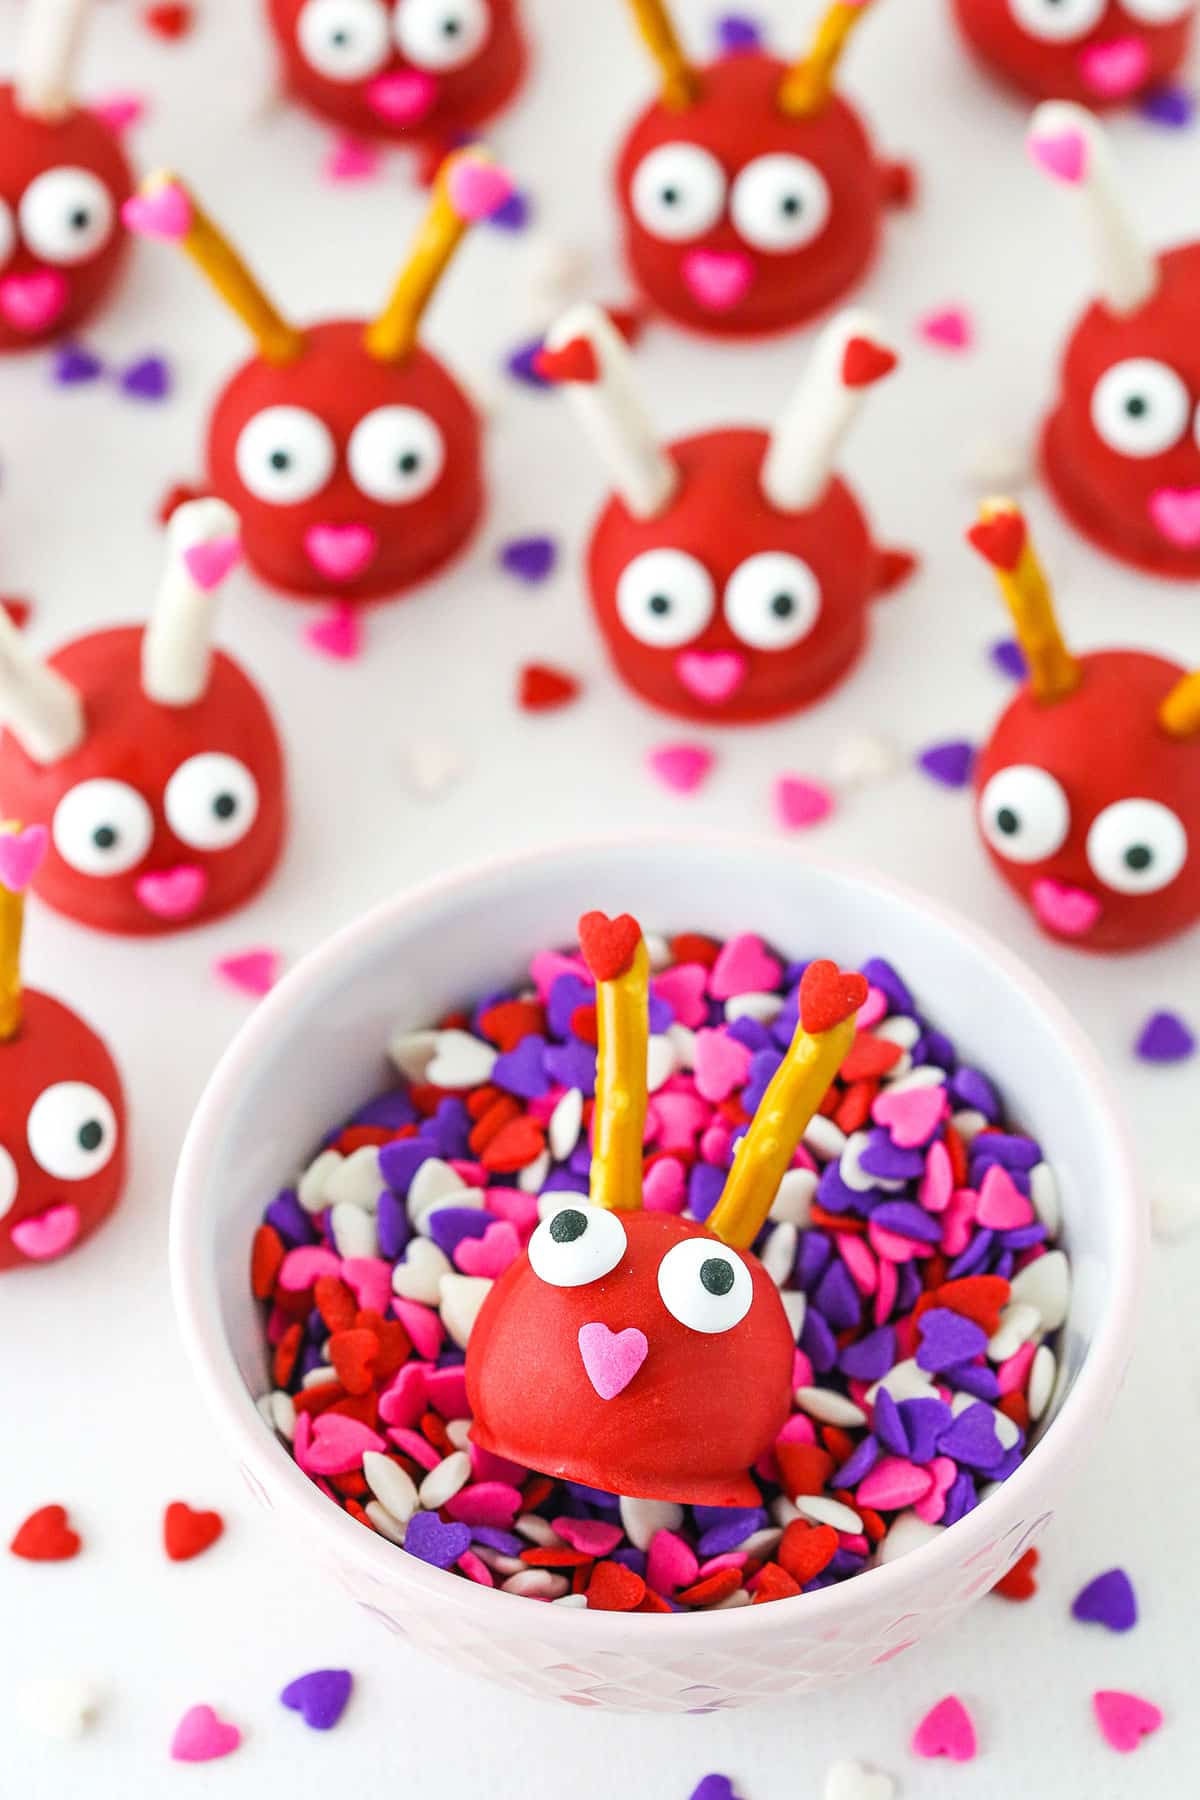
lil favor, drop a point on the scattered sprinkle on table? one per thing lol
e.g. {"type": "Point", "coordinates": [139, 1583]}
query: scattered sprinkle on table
{"type": "Point", "coordinates": [337, 633]}
{"type": "Point", "coordinates": [681, 767]}
{"type": "Point", "coordinates": [530, 559]}
{"type": "Point", "coordinates": [948, 328]}
{"type": "Point", "coordinates": [201, 1737]}
{"type": "Point", "coordinates": [1020, 1583]}
{"type": "Point", "coordinates": [251, 971]}
{"type": "Point", "coordinates": [851, 1781]}
{"type": "Point", "coordinates": [946, 1730]}
{"type": "Point", "coordinates": [799, 803]}
{"type": "Point", "coordinates": [951, 764]}
{"type": "Point", "coordinates": [320, 1697]}
{"type": "Point", "coordinates": [1125, 1719]}
{"type": "Point", "coordinates": [187, 1533]}
{"type": "Point", "coordinates": [542, 688]}
{"type": "Point", "coordinates": [1165, 1038]}
{"type": "Point", "coordinates": [46, 1536]}
{"type": "Point", "coordinates": [1107, 1600]}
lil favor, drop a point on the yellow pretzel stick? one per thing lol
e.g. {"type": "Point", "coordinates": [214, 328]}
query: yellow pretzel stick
{"type": "Point", "coordinates": [393, 334]}
{"type": "Point", "coordinates": [799, 1085]}
{"type": "Point", "coordinates": [619, 1123]}
{"type": "Point", "coordinates": [1180, 711]}
{"type": "Point", "coordinates": [653, 20]}
{"type": "Point", "coordinates": [808, 83]}
{"type": "Point", "coordinates": [12, 919]}
{"type": "Point", "coordinates": [1053, 671]}
{"type": "Point", "coordinates": [224, 268]}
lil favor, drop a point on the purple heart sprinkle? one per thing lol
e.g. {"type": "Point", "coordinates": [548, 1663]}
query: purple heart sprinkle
{"type": "Point", "coordinates": [567, 993]}
{"type": "Point", "coordinates": [961, 1499]}
{"type": "Point", "coordinates": [972, 1439]}
{"type": "Point", "coordinates": [858, 1464]}
{"type": "Point", "coordinates": [738, 31]}
{"type": "Point", "coordinates": [730, 1531]}
{"type": "Point", "coordinates": [1008, 657]}
{"type": "Point", "coordinates": [1108, 1600]}
{"type": "Point", "coordinates": [908, 1219]}
{"type": "Point", "coordinates": [513, 214]}
{"type": "Point", "coordinates": [147, 379]}
{"type": "Point", "coordinates": [888, 1424]}
{"type": "Point", "coordinates": [705, 1184]}
{"type": "Point", "coordinates": [399, 1162]}
{"type": "Point", "coordinates": [1172, 106]}
{"type": "Point", "coordinates": [972, 1089]}
{"type": "Point", "coordinates": [73, 365]}
{"type": "Point", "coordinates": [818, 1342]}
{"type": "Point", "coordinates": [520, 365]}
{"type": "Point", "coordinates": [886, 1160]}
{"type": "Point", "coordinates": [390, 1111]}
{"type": "Point", "coordinates": [1165, 1038]}
{"type": "Point", "coordinates": [713, 1787]}
{"type": "Point", "coordinates": [870, 1358]}
{"type": "Point", "coordinates": [320, 1698]}
{"type": "Point", "coordinates": [442, 1545]}
{"type": "Point", "coordinates": [837, 1299]}
{"type": "Point", "coordinates": [449, 1225]}
{"type": "Point", "coordinates": [973, 1378]}
{"type": "Point", "coordinates": [572, 1065]}
{"type": "Point", "coordinates": [290, 1220]}
{"type": "Point", "coordinates": [522, 1071]}
{"type": "Point", "coordinates": [947, 1338]}
{"type": "Point", "coordinates": [952, 764]}
{"type": "Point", "coordinates": [923, 1423]}
{"type": "Point", "coordinates": [392, 1225]}
{"type": "Point", "coordinates": [530, 559]}
{"type": "Point", "coordinates": [880, 973]}
{"type": "Point", "coordinates": [814, 1253]}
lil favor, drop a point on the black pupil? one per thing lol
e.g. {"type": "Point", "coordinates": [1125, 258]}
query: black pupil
{"type": "Point", "coordinates": [341, 38]}
{"type": "Point", "coordinates": [670, 196]}
{"type": "Point", "coordinates": [225, 805]}
{"type": "Point", "coordinates": [1139, 857]}
{"type": "Point", "coordinates": [568, 1225]}
{"type": "Point", "coordinates": [659, 605]}
{"type": "Point", "coordinates": [1007, 821]}
{"type": "Point", "coordinates": [104, 837]}
{"type": "Point", "coordinates": [783, 605]}
{"type": "Point", "coordinates": [791, 204]}
{"type": "Point", "coordinates": [91, 1135]}
{"type": "Point", "coordinates": [409, 463]}
{"type": "Point", "coordinates": [451, 27]}
{"type": "Point", "coordinates": [1137, 406]}
{"type": "Point", "coordinates": [280, 459]}
{"type": "Point", "coordinates": [81, 218]}
{"type": "Point", "coordinates": [716, 1275]}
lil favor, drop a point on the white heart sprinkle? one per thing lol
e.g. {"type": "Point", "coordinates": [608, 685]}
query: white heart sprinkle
{"type": "Point", "coordinates": [461, 1060]}
{"type": "Point", "coordinates": [830, 1407]}
{"type": "Point", "coordinates": [313, 1184]}
{"type": "Point", "coordinates": [566, 1121]}
{"type": "Point", "coordinates": [391, 1485]}
{"type": "Point", "coordinates": [58, 1706]}
{"type": "Point", "coordinates": [850, 1781]}
{"type": "Point", "coordinates": [577, 1602]}
{"type": "Point", "coordinates": [429, 768]}
{"type": "Point", "coordinates": [356, 1181]}
{"type": "Point", "coordinates": [1043, 1371]}
{"type": "Point", "coordinates": [763, 1007]}
{"type": "Point", "coordinates": [904, 1381]}
{"type": "Point", "coordinates": [1018, 1323]}
{"type": "Point", "coordinates": [540, 1584]}
{"type": "Point", "coordinates": [906, 1533]}
{"type": "Point", "coordinates": [794, 1198]}
{"type": "Point", "coordinates": [824, 1138]}
{"type": "Point", "coordinates": [795, 1305]}
{"type": "Point", "coordinates": [684, 1040]}
{"type": "Point", "coordinates": [824, 1511]}
{"type": "Point", "coordinates": [412, 1052]}
{"type": "Point", "coordinates": [434, 1181]}
{"type": "Point", "coordinates": [658, 951]}
{"type": "Point", "coordinates": [353, 1231]}
{"type": "Point", "coordinates": [385, 1523]}
{"type": "Point", "coordinates": [642, 1518]}
{"type": "Point", "coordinates": [420, 1275]}
{"type": "Point", "coordinates": [532, 1178]}
{"type": "Point", "coordinates": [927, 1075]}
{"type": "Point", "coordinates": [661, 1061]}
{"type": "Point", "coordinates": [1046, 1285]}
{"type": "Point", "coordinates": [969, 1124]}
{"type": "Point", "coordinates": [779, 1256]}
{"type": "Point", "coordinates": [441, 1484]}
{"type": "Point", "coordinates": [1043, 1192]}
{"type": "Point", "coordinates": [283, 1413]}
{"type": "Point", "coordinates": [901, 1030]}
{"type": "Point", "coordinates": [460, 1298]}
{"type": "Point", "coordinates": [861, 759]}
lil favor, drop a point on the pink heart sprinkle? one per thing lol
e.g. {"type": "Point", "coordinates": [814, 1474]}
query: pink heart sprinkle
{"type": "Point", "coordinates": [591, 1536]}
{"type": "Point", "coordinates": [946, 1730]}
{"type": "Point", "coordinates": [711, 675]}
{"type": "Point", "coordinates": [932, 1505]}
{"type": "Point", "coordinates": [521, 1210]}
{"type": "Point", "coordinates": [800, 803]}
{"type": "Point", "coordinates": [208, 564]}
{"type": "Point", "coordinates": [721, 1064]}
{"type": "Point", "coordinates": [864, 1270]}
{"type": "Point", "coordinates": [494, 1503]}
{"type": "Point", "coordinates": [337, 634]}
{"type": "Point", "coordinates": [937, 1183]}
{"type": "Point", "coordinates": [893, 1246]}
{"type": "Point", "coordinates": [166, 213]}
{"type": "Point", "coordinates": [681, 767]}
{"type": "Point", "coordinates": [201, 1737]}
{"type": "Point", "coordinates": [491, 1254]}
{"type": "Point", "coordinates": [406, 1396]}
{"type": "Point", "coordinates": [1002, 1206]}
{"type": "Point", "coordinates": [47, 1235]}
{"type": "Point", "coordinates": [423, 1326]}
{"type": "Point", "coordinates": [894, 1482]}
{"type": "Point", "coordinates": [957, 1220]}
{"type": "Point", "coordinates": [252, 971]}
{"type": "Point", "coordinates": [22, 854]}
{"type": "Point", "coordinates": [873, 1009]}
{"type": "Point", "coordinates": [670, 1563]}
{"type": "Point", "coordinates": [301, 1268]}
{"type": "Point", "coordinates": [119, 111]}
{"type": "Point", "coordinates": [369, 1279]}
{"type": "Point", "coordinates": [665, 1186]}
{"type": "Point", "coordinates": [1125, 1719]}
{"type": "Point", "coordinates": [885, 1294]}
{"type": "Point", "coordinates": [950, 328]}
{"type": "Point", "coordinates": [611, 1358]}
{"type": "Point", "coordinates": [683, 988]}
{"type": "Point", "coordinates": [477, 189]}
{"type": "Point", "coordinates": [744, 966]}
{"type": "Point", "coordinates": [1176, 513]}
{"type": "Point", "coordinates": [911, 1115]}
{"type": "Point", "coordinates": [351, 160]}
{"type": "Point", "coordinates": [1062, 154]}
{"type": "Point", "coordinates": [339, 1444]}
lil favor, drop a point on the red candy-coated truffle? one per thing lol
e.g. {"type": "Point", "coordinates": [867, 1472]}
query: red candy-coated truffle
{"type": "Point", "coordinates": [421, 73]}
{"type": "Point", "coordinates": [750, 193]}
{"type": "Point", "coordinates": [1088, 790]}
{"type": "Point", "coordinates": [1096, 52]}
{"type": "Point", "coordinates": [62, 1134]}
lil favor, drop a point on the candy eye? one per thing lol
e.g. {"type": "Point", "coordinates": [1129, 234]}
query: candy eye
{"type": "Point", "coordinates": [576, 1245]}
{"type": "Point", "coordinates": [72, 1131]}
{"type": "Point", "coordinates": [396, 454]}
{"type": "Point", "coordinates": [102, 827]}
{"type": "Point", "coordinates": [1024, 813]}
{"type": "Point", "coordinates": [66, 215]}
{"type": "Point", "coordinates": [346, 40]}
{"type": "Point", "coordinates": [10, 1181]}
{"type": "Point", "coordinates": [665, 598]}
{"type": "Point", "coordinates": [772, 600]}
{"type": "Point", "coordinates": [705, 1286]}
{"type": "Point", "coordinates": [442, 34]}
{"type": "Point", "coordinates": [8, 232]}
{"type": "Point", "coordinates": [1140, 407]}
{"type": "Point", "coordinates": [780, 202]}
{"type": "Point", "coordinates": [679, 192]}
{"type": "Point", "coordinates": [211, 801]}
{"type": "Point", "coordinates": [1057, 21]}
{"type": "Point", "coordinates": [1158, 12]}
{"type": "Point", "coordinates": [285, 455]}
{"type": "Point", "coordinates": [1137, 846]}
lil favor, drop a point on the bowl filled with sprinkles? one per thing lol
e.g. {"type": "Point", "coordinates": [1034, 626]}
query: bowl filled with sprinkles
{"type": "Point", "coordinates": [659, 1274]}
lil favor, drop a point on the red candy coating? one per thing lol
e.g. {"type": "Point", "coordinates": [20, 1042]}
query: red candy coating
{"type": "Point", "coordinates": [341, 543]}
{"type": "Point", "coordinates": [1115, 52]}
{"type": "Point", "coordinates": [1144, 508]}
{"type": "Point", "coordinates": [721, 517]}
{"type": "Point", "coordinates": [132, 740]}
{"type": "Point", "coordinates": [417, 90]}
{"type": "Point", "coordinates": [1103, 744]}
{"type": "Point", "coordinates": [54, 1047]}
{"type": "Point", "coordinates": [47, 287]}
{"type": "Point", "coordinates": [719, 281]}
{"type": "Point", "coordinates": [701, 1409]}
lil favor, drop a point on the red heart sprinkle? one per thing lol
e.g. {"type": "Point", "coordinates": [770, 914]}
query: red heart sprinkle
{"type": "Point", "coordinates": [805, 1467]}
{"type": "Point", "coordinates": [335, 1302]}
{"type": "Point", "coordinates": [1000, 540]}
{"type": "Point", "coordinates": [828, 995]}
{"type": "Point", "coordinates": [518, 1144]}
{"type": "Point", "coordinates": [266, 1255]}
{"type": "Point", "coordinates": [17, 610]}
{"type": "Point", "coordinates": [506, 1024]}
{"type": "Point", "coordinates": [353, 1355]}
{"type": "Point", "coordinates": [171, 21]}
{"type": "Point", "coordinates": [46, 1536]}
{"type": "Point", "coordinates": [864, 363]}
{"type": "Point", "coordinates": [608, 945]}
{"type": "Point", "coordinates": [187, 1533]}
{"type": "Point", "coordinates": [1019, 1583]}
{"type": "Point", "coordinates": [542, 689]}
{"type": "Point", "coordinates": [804, 1550]}
{"type": "Point", "coordinates": [774, 1583]}
{"type": "Point", "coordinates": [614, 1588]}
{"type": "Point", "coordinates": [714, 1587]}
{"type": "Point", "coordinates": [584, 1024]}
{"type": "Point", "coordinates": [576, 361]}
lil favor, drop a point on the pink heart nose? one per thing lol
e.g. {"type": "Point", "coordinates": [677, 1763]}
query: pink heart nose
{"type": "Point", "coordinates": [32, 302]}
{"type": "Point", "coordinates": [1068, 910]}
{"type": "Point", "coordinates": [173, 893]}
{"type": "Point", "coordinates": [404, 98]}
{"type": "Point", "coordinates": [47, 1235]}
{"type": "Point", "coordinates": [1115, 68]}
{"type": "Point", "coordinates": [717, 279]}
{"type": "Point", "coordinates": [340, 552]}
{"type": "Point", "coordinates": [1176, 512]}
{"type": "Point", "coordinates": [611, 1358]}
{"type": "Point", "coordinates": [711, 675]}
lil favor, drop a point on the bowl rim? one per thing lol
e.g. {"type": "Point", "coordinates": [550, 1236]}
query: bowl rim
{"type": "Point", "coordinates": [262, 1455]}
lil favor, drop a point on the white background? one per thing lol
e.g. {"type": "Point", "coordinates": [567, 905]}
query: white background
{"type": "Point", "coordinates": [98, 1408]}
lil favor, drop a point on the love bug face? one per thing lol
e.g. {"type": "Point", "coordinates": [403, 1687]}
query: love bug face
{"type": "Point", "coordinates": [164, 816]}
{"type": "Point", "coordinates": [354, 479]}
{"type": "Point", "coordinates": [1095, 52]}
{"type": "Point", "coordinates": [62, 1130]}
{"type": "Point", "coordinates": [633, 1352]}
{"type": "Point", "coordinates": [62, 185]}
{"type": "Point", "coordinates": [1122, 448]}
{"type": "Point", "coordinates": [402, 69]}
{"type": "Point", "coordinates": [740, 220]}
{"type": "Point", "coordinates": [1090, 809]}
{"type": "Point", "coordinates": [724, 609]}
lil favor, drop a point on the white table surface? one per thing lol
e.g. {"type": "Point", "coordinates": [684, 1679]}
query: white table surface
{"type": "Point", "coordinates": [98, 1408]}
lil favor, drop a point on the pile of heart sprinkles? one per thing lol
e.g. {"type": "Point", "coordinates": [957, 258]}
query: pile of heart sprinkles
{"type": "Point", "coordinates": [912, 1241]}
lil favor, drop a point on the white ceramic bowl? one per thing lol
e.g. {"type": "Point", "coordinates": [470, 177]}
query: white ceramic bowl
{"type": "Point", "coordinates": [314, 1049]}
